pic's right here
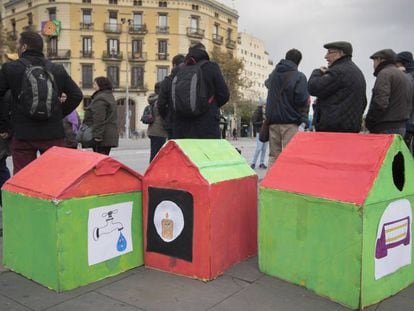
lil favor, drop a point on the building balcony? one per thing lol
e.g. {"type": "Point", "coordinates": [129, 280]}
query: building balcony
{"type": "Point", "coordinates": [137, 57]}
{"type": "Point", "coordinates": [86, 54]}
{"type": "Point", "coordinates": [138, 87]}
{"type": "Point", "coordinates": [112, 28]}
{"type": "Point", "coordinates": [86, 26]}
{"type": "Point", "coordinates": [58, 54]}
{"type": "Point", "coordinates": [217, 39]}
{"type": "Point", "coordinates": [163, 29]}
{"type": "Point", "coordinates": [12, 35]}
{"type": "Point", "coordinates": [112, 56]}
{"type": "Point", "coordinates": [195, 33]}
{"type": "Point", "coordinates": [230, 44]}
{"type": "Point", "coordinates": [30, 28]}
{"type": "Point", "coordinates": [138, 29]}
{"type": "Point", "coordinates": [162, 56]}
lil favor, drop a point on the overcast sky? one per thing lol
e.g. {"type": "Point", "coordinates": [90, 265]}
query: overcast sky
{"type": "Point", "coordinates": [369, 25]}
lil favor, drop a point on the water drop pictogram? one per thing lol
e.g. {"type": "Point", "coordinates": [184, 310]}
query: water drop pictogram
{"type": "Point", "coordinates": [122, 243]}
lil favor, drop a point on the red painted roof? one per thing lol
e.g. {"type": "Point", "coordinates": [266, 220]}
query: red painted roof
{"type": "Point", "coordinates": [65, 173]}
{"type": "Point", "coordinates": [336, 166]}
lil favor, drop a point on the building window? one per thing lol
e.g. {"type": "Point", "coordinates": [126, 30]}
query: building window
{"type": "Point", "coordinates": [216, 15]}
{"type": "Point", "coordinates": [52, 13]}
{"type": "Point", "coordinates": [52, 0]}
{"type": "Point", "coordinates": [229, 21]}
{"type": "Point", "coordinates": [194, 23]}
{"type": "Point", "coordinates": [112, 1]}
{"type": "Point", "coordinates": [216, 30]}
{"type": "Point", "coordinates": [137, 3]}
{"type": "Point", "coordinates": [53, 46]}
{"type": "Point", "coordinates": [162, 23]}
{"type": "Point", "coordinates": [113, 75]}
{"type": "Point", "coordinates": [137, 19]}
{"type": "Point", "coordinates": [136, 48]}
{"type": "Point", "coordinates": [162, 4]}
{"type": "Point", "coordinates": [87, 76]}
{"type": "Point", "coordinates": [229, 33]}
{"type": "Point", "coordinates": [113, 21]}
{"type": "Point", "coordinates": [162, 72]}
{"type": "Point", "coordinates": [30, 19]}
{"type": "Point", "coordinates": [29, 5]}
{"type": "Point", "coordinates": [194, 7]}
{"type": "Point", "coordinates": [86, 17]}
{"type": "Point", "coordinates": [162, 49]}
{"type": "Point", "coordinates": [137, 77]}
{"type": "Point", "coordinates": [86, 1]}
{"type": "Point", "coordinates": [87, 46]}
{"type": "Point", "coordinates": [113, 47]}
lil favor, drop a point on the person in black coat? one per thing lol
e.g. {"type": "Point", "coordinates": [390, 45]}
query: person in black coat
{"type": "Point", "coordinates": [206, 125]}
{"type": "Point", "coordinates": [31, 136]}
{"type": "Point", "coordinates": [340, 89]}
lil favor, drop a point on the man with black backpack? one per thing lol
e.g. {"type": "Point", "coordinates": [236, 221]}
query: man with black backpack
{"type": "Point", "coordinates": [198, 90]}
{"type": "Point", "coordinates": [36, 111]}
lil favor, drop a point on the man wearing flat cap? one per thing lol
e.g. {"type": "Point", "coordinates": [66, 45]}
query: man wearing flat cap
{"type": "Point", "coordinates": [392, 96]}
{"type": "Point", "coordinates": [340, 91]}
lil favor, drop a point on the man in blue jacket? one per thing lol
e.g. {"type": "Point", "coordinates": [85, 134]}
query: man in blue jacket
{"type": "Point", "coordinates": [287, 102]}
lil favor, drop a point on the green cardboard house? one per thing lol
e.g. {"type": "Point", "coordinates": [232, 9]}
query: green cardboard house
{"type": "Point", "coordinates": [336, 216]}
{"type": "Point", "coordinates": [72, 218]}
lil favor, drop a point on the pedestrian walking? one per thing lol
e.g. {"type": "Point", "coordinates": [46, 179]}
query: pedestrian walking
{"type": "Point", "coordinates": [261, 148]}
{"type": "Point", "coordinates": [102, 116]}
{"type": "Point", "coordinates": [340, 90]}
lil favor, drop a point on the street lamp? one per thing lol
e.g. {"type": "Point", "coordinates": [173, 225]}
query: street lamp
{"type": "Point", "coordinates": [128, 22]}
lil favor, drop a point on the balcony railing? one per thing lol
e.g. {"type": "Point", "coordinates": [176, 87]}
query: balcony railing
{"type": "Point", "coordinates": [230, 44]}
{"type": "Point", "coordinates": [112, 28]}
{"type": "Point", "coordinates": [138, 29]}
{"type": "Point", "coordinates": [163, 29]}
{"type": "Point", "coordinates": [114, 56]}
{"type": "Point", "coordinates": [162, 56]}
{"type": "Point", "coordinates": [58, 54]}
{"type": "Point", "coordinates": [86, 26]}
{"type": "Point", "coordinates": [195, 33]}
{"type": "Point", "coordinates": [217, 39]}
{"type": "Point", "coordinates": [30, 28]}
{"type": "Point", "coordinates": [86, 54]}
{"type": "Point", "coordinates": [138, 86]}
{"type": "Point", "coordinates": [137, 57]}
{"type": "Point", "coordinates": [87, 85]}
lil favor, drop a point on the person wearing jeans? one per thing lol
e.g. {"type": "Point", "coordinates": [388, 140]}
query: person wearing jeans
{"type": "Point", "coordinates": [261, 149]}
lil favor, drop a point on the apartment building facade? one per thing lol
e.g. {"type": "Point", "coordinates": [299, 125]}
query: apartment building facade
{"type": "Point", "coordinates": [257, 66]}
{"type": "Point", "coordinates": [132, 42]}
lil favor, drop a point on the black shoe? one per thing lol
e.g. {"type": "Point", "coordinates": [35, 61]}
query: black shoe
{"type": "Point", "coordinates": [263, 166]}
{"type": "Point", "coordinates": [253, 166]}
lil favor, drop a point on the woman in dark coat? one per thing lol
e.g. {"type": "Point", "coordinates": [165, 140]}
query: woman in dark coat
{"type": "Point", "coordinates": [101, 115]}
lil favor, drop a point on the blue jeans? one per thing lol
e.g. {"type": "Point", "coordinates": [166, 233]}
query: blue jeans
{"type": "Point", "coordinates": [261, 149]}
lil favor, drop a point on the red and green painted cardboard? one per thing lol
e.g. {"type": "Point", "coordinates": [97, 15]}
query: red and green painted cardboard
{"type": "Point", "coordinates": [200, 208]}
{"type": "Point", "coordinates": [336, 216]}
{"type": "Point", "coordinates": [72, 218]}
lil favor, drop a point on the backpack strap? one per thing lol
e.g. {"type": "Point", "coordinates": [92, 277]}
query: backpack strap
{"type": "Point", "coordinates": [25, 61]}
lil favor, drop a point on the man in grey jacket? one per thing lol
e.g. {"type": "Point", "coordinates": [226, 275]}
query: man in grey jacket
{"type": "Point", "coordinates": [390, 104]}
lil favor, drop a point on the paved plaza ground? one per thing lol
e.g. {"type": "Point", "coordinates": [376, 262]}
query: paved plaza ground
{"type": "Point", "coordinates": [243, 287]}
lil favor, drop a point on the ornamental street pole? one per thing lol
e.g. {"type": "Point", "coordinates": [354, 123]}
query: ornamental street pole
{"type": "Point", "coordinates": [123, 20]}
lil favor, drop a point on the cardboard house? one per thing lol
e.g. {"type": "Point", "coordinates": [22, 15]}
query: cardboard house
{"type": "Point", "coordinates": [72, 218]}
{"type": "Point", "coordinates": [336, 216]}
{"type": "Point", "coordinates": [200, 208]}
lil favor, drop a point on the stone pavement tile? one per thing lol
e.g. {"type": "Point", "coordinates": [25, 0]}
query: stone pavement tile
{"type": "Point", "coordinates": [272, 294]}
{"type": "Point", "coordinates": [2, 268]}
{"type": "Point", "coordinates": [7, 304]}
{"type": "Point", "coordinates": [408, 292]}
{"type": "Point", "coordinates": [93, 302]}
{"type": "Point", "coordinates": [38, 297]}
{"type": "Point", "coordinates": [246, 270]}
{"type": "Point", "coordinates": [397, 303]}
{"type": "Point", "coordinates": [155, 290]}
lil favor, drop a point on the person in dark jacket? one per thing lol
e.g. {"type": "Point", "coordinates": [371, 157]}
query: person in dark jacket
{"type": "Point", "coordinates": [32, 136]}
{"type": "Point", "coordinates": [102, 116]}
{"type": "Point", "coordinates": [340, 90]}
{"type": "Point", "coordinates": [287, 99]}
{"type": "Point", "coordinates": [206, 125]}
{"type": "Point", "coordinates": [392, 96]}
{"type": "Point", "coordinates": [164, 103]}
{"type": "Point", "coordinates": [261, 148]}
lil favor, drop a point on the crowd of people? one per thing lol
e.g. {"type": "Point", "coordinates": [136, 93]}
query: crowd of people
{"type": "Point", "coordinates": [186, 104]}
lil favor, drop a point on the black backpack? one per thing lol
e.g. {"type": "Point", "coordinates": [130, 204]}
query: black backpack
{"type": "Point", "coordinates": [39, 96]}
{"type": "Point", "coordinates": [148, 115]}
{"type": "Point", "coordinates": [189, 91]}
